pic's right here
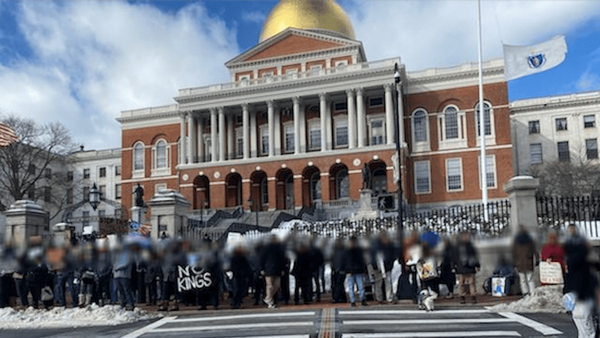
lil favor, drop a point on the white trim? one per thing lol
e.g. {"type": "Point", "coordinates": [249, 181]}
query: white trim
{"type": "Point", "coordinates": [461, 140]}
{"type": "Point", "coordinates": [462, 178]}
{"type": "Point", "coordinates": [336, 119]}
{"type": "Point", "coordinates": [428, 177]}
{"type": "Point", "coordinates": [137, 173]}
{"type": "Point", "coordinates": [370, 119]}
{"type": "Point", "coordinates": [420, 146]}
{"type": "Point", "coordinates": [155, 171]}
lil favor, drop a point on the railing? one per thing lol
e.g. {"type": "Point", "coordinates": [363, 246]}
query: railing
{"type": "Point", "coordinates": [387, 63]}
{"type": "Point", "coordinates": [555, 213]}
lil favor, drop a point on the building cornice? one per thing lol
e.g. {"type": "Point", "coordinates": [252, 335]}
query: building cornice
{"type": "Point", "coordinates": [555, 102]}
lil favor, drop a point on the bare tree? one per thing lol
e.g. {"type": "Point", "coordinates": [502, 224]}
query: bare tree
{"type": "Point", "coordinates": [577, 177]}
{"type": "Point", "coordinates": [37, 165]}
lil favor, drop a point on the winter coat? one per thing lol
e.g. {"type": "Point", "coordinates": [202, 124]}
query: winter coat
{"type": "Point", "coordinates": [465, 258]}
{"type": "Point", "coordinates": [124, 264]}
{"type": "Point", "coordinates": [355, 261]}
{"type": "Point", "coordinates": [578, 278]}
{"type": "Point", "coordinates": [338, 260]}
{"type": "Point", "coordinates": [389, 253]}
{"type": "Point", "coordinates": [523, 251]}
{"type": "Point", "coordinates": [240, 266]}
{"type": "Point", "coordinates": [272, 260]}
{"type": "Point", "coordinates": [302, 266]}
{"type": "Point", "coordinates": [555, 252]}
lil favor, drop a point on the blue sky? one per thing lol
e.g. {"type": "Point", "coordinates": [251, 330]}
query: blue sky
{"type": "Point", "coordinates": [83, 62]}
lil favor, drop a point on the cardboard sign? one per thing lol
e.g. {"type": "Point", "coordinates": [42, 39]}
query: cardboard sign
{"type": "Point", "coordinates": [498, 286]}
{"type": "Point", "coordinates": [551, 273]}
{"type": "Point", "coordinates": [428, 269]}
{"type": "Point", "coordinates": [191, 278]}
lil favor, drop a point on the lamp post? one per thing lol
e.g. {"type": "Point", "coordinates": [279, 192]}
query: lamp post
{"type": "Point", "coordinates": [250, 204]}
{"type": "Point", "coordinates": [397, 121]}
{"type": "Point", "coordinates": [94, 197]}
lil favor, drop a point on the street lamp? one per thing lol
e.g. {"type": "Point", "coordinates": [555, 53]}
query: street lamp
{"type": "Point", "coordinates": [94, 197]}
{"type": "Point", "coordinates": [397, 121]}
{"type": "Point", "coordinates": [250, 204]}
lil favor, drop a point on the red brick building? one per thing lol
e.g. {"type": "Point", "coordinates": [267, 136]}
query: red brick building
{"type": "Point", "coordinates": [302, 115]}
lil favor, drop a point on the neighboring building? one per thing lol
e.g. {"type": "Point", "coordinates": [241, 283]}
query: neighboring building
{"type": "Point", "coordinates": [548, 129]}
{"type": "Point", "coordinates": [304, 111]}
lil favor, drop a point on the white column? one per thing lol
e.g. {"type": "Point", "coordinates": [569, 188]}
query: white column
{"type": "Point", "coordinates": [351, 119]}
{"type": "Point", "coordinates": [230, 137]}
{"type": "Point", "coordinates": [328, 127]}
{"type": "Point", "coordinates": [323, 120]}
{"type": "Point", "coordinates": [361, 122]}
{"type": "Point", "coordinates": [213, 134]}
{"type": "Point", "coordinates": [253, 141]}
{"type": "Point", "coordinates": [401, 117]}
{"type": "Point", "coordinates": [302, 128]}
{"type": "Point", "coordinates": [200, 140]}
{"type": "Point", "coordinates": [245, 129]}
{"type": "Point", "coordinates": [191, 143]}
{"type": "Point", "coordinates": [296, 101]}
{"type": "Point", "coordinates": [221, 134]}
{"type": "Point", "coordinates": [271, 125]}
{"type": "Point", "coordinates": [277, 130]}
{"type": "Point", "coordinates": [389, 113]}
{"type": "Point", "coordinates": [182, 140]}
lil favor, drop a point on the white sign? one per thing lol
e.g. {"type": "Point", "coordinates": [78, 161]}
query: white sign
{"type": "Point", "coordinates": [551, 273]}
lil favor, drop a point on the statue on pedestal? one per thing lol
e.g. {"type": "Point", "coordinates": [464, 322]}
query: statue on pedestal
{"type": "Point", "coordinates": [139, 196]}
{"type": "Point", "coordinates": [366, 172]}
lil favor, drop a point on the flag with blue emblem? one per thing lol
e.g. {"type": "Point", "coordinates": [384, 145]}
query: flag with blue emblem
{"type": "Point", "coordinates": [521, 61]}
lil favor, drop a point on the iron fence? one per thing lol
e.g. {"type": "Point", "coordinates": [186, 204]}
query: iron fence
{"type": "Point", "coordinates": [556, 212]}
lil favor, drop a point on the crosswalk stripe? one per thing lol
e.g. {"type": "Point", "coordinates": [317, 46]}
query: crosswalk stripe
{"type": "Point", "coordinates": [232, 326]}
{"type": "Point", "coordinates": [435, 334]}
{"type": "Point", "coordinates": [427, 321]}
{"type": "Point", "coordinates": [539, 327]}
{"type": "Point", "coordinates": [148, 328]}
{"type": "Point", "coordinates": [408, 312]}
{"type": "Point", "coordinates": [247, 316]}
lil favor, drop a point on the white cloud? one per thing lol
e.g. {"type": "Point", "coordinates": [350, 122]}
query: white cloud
{"type": "Point", "coordinates": [443, 33]}
{"type": "Point", "coordinates": [94, 59]}
{"type": "Point", "coordinates": [254, 17]}
{"type": "Point", "coordinates": [588, 81]}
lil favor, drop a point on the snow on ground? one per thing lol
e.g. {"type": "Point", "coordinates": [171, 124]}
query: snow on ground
{"type": "Point", "coordinates": [110, 315]}
{"type": "Point", "coordinates": [542, 299]}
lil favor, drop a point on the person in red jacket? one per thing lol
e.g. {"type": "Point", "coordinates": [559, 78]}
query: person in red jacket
{"type": "Point", "coordinates": [553, 251]}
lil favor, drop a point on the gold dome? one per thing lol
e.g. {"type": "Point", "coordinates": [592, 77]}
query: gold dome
{"type": "Point", "coordinates": [307, 14]}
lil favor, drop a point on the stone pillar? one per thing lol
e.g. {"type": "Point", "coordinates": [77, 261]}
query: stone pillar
{"type": "Point", "coordinates": [24, 219]}
{"type": "Point", "coordinates": [253, 141]}
{"type": "Point", "coordinates": [277, 131]}
{"type": "Point", "coordinates": [296, 101]}
{"type": "Point", "coordinates": [271, 127]}
{"type": "Point", "coordinates": [222, 134]}
{"type": "Point", "coordinates": [200, 138]}
{"type": "Point", "coordinates": [328, 127]}
{"type": "Point", "coordinates": [191, 141]}
{"type": "Point", "coordinates": [523, 211]}
{"type": "Point", "coordinates": [245, 129]}
{"type": "Point", "coordinates": [361, 118]}
{"type": "Point", "coordinates": [389, 114]}
{"type": "Point", "coordinates": [168, 214]}
{"type": "Point", "coordinates": [302, 128]}
{"type": "Point", "coordinates": [231, 151]}
{"type": "Point", "coordinates": [323, 120]}
{"type": "Point", "coordinates": [351, 119]}
{"type": "Point", "coordinates": [213, 134]}
{"type": "Point", "coordinates": [182, 140]}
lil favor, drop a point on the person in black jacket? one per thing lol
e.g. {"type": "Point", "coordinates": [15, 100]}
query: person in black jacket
{"type": "Point", "coordinates": [272, 264]}
{"type": "Point", "coordinates": [466, 263]}
{"type": "Point", "coordinates": [448, 275]}
{"type": "Point", "coordinates": [383, 255]}
{"type": "Point", "coordinates": [302, 272]}
{"type": "Point", "coordinates": [338, 275]}
{"type": "Point", "coordinates": [355, 268]}
{"type": "Point", "coordinates": [241, 274]}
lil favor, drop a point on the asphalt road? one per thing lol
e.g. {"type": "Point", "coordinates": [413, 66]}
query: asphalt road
{"type": "Point", "coordinates": [361, 322]}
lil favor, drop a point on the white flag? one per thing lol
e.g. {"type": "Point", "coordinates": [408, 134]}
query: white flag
{"type": "Point", "coordinates": [521, 61]}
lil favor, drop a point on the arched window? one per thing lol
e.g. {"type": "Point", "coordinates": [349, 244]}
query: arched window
{"type": "Point", "coordinates": [486, 117]}
{"type": "Point", "coordinates": [161, 154]}
{"type": "Point", "coordinates": [342, 184]}
{"type": "Point", "coordinates": [315, 185]}
{"type": "Point", "coordinates": [451, 122]}
{"type": "Point", "coordinates": [420, 126]}
{"type": "Point", "coordinates": [264, 191]}
{"type": "Point", "coordinates": [138, 157]}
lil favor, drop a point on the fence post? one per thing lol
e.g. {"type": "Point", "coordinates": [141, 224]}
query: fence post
{"type": "Point", "coordinates": [521, 194]}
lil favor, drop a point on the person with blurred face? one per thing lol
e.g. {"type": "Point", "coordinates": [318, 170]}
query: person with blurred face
{"type": "Point", "coordinates": [553, 251]}
{"type": "Point", "coordinates": [466, 263]}
{"type": "Point", "coordinates": [524, 254]}
{"type": "Point", "coordinates": [355, 268]}
{"type": "Point", "coordinates": [272, 267]}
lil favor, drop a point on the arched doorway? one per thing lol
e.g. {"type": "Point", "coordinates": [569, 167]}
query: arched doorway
{"type": "Point", "coordinates": [339, 182]}
{"type": "Point", "coordinates": [378, 177]}
{"type": "Point", "coordinates": [285, 189]}
{"type": "Point", "coordinates": [233, 190]}
{"type": "Point", "coordinates": [201, 192]}
{"type": "Point", "coordinates": [311, 186]}
{"type": "Point", "coordinates": [259, 193]}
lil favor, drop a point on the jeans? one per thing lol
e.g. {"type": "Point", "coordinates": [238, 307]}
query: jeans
{"type": "Point", "coordinates": [124, 288]}
{"type": "Point", "coordinates": [358, 280]}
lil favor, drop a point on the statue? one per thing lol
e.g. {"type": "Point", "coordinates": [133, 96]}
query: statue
{"type": "Point", "coordinates": [139, 194]}
{"type": "Point", "coordinates": [366, 172]}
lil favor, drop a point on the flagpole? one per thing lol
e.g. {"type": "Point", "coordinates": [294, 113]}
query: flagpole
{"type": "Point", "coordinates": [482, 159]}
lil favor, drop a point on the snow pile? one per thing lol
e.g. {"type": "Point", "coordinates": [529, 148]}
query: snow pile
{"type": "Point", "coordinates": [542, 299]}
{"type": "Point", "coordinates": [60, 317]}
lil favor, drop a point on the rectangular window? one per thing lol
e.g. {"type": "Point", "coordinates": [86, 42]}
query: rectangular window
{"type": "Point", "coordinates": [563, 152]}
{"type": "Point", "coordinates": [102, 189]}
{"type": "Point", "coordinates": [101, 213]}
{"type": "Point", "coordinates": [86, 173]}
{"type": "Point", "coordinates": [86, 193]}
{"type": "Point", "coordinates": [341, 133]}
{"type": "Point", "coordinates": [487, 119]}
{"type": "Point", "coordinates": [69, 176]}
{"type": "Point", "coordinates": [591, 148]}
{"type": "Point", "coordinates": [340, 106]}
{"type": "Point", "coordinates": [315, 135]}
{"type": "Point", "coordinates": [422, 179]}
{"type": "Point", "coordinates": [240, 146]}
{"type": "Point", "coordinates": [264, 137]}
{"type": "Point", "coordinates": [48, 173]}
{"type": "Point", "coordinates": [86, 218]}
{"type": "Point", "coordinates": [289, 138]}
{"type": "Point", "coordinates": [561, 123]}
{"type": "Point", "coordinates": [118, 191]}
{"type": "Point", "coordinates": [70, 196]}
{"type": "Point", "coordinates": [490, 171]}
{"type": "Point", "coordinates": [315, 70]}
{"type": "Point", "coordinates": [47, 194]}
{"type": "Point", "coordinates": [535, 153]}
{"type": "Point", "coordinates": [376, 102]}
{"type": "Point", "coordinates": [160, 187]}
{"type": "Point", "coordinates": [102, 172]}
{"type": "Point", "coordinates": [32, 169]}
{"type": "Point", "coordinates": [377, 132]}
{"type": "Point", "coordinates": [534, 127]}
{"type": "Point", "coordinates": [589, 121]}
{"type": "Point", "coordinates": [117, 170]}
{"type": "Point", "coordinates": [454, 174]}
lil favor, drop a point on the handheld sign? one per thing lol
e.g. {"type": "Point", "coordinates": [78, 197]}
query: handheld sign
{"type": "Point", "coordinates": [190, 278]}
{"type": "Point", "coordinates": [551, 273]}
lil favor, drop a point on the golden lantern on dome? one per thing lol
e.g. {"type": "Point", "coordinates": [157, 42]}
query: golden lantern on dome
{"type": "Point", "coordinates": [318, 15]}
